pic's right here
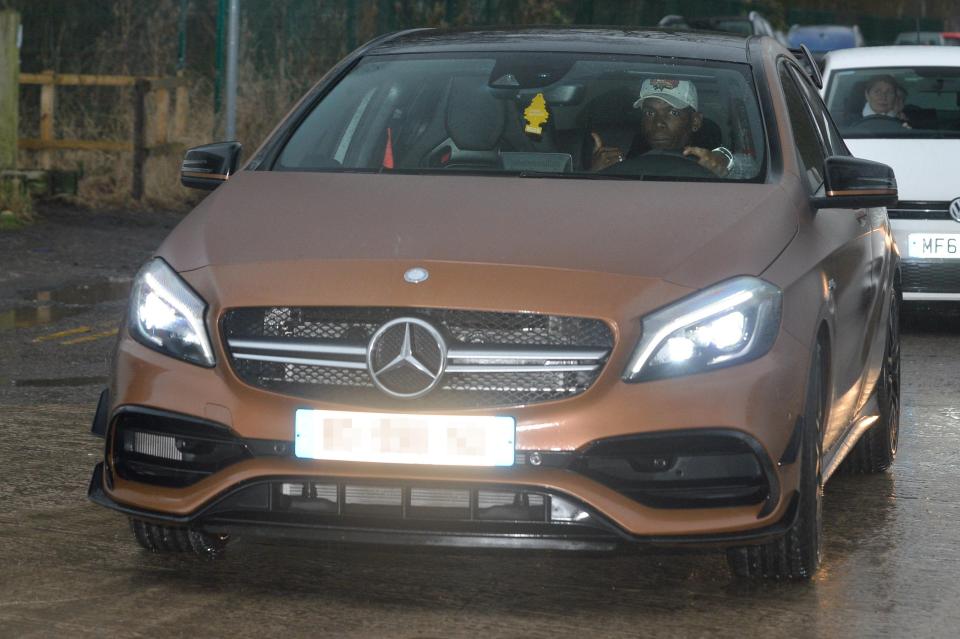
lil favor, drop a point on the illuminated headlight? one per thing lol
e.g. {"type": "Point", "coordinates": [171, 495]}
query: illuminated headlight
{"type": "Point", "coordinates": [733, 322]}
{"type": "Point", "coordinates": [167, 316]}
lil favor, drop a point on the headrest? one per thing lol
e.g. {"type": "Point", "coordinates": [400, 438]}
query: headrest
{"type": "Point", "coordinates": [475, 119]}
{"type": "Point", "coordinates": [708, 136]}
{"type": "Point", "coordinates": [612, 108]}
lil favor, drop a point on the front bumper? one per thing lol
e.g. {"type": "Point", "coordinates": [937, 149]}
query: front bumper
{"type": "Point", "coordinates": [250, 509]}
{"type": "Point", "coordinates": [577, 500]}
{"type": "Point", "coordinates": [758, 402]}
{"type": "Point", "coordinates": [927, 279]}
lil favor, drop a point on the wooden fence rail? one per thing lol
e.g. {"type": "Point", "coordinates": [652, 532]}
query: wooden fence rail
{"type": "Point", "coordinates": [147, 138]}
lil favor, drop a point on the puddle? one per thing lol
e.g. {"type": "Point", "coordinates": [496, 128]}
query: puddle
{"type": "Point", "coordinates": [86, 294]}
{"type": "Point", "coordinates": [61, 381]}
{"type": "Point", "coordinates": [52, 305]}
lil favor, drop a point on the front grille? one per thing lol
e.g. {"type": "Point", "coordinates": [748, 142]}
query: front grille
{"type": "Point", "coordinates": [930, 276]}
{"type": "Point", "coordinates": [919, 210]}
{"type": "Point", "coordinates": [493, 359]}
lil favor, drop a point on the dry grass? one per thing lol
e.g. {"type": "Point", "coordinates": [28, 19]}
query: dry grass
{"type": "Point", "coordinates": [107, 176]}
{"type": "Point", "coordinates": [273, 74]}
{"type": "Point", "coordinates": [16, 207]}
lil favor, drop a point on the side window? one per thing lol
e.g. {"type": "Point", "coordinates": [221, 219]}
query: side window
{"type": "Point", "coordinates": [805, 134]}
{"type": "Point", "coordinates": [828, 130]}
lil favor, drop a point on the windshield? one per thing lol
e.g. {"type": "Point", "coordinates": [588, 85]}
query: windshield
{"type": "Point", "coordinates": [536, 114]}
{"type": "Point", "coordinates": [899, 102]}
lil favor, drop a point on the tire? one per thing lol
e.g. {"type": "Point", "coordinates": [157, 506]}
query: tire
{"type": "Point", "coordinates": [796, 555]}
{"type": "Point", "coordinates": [157, 538]}
{"type": "Point", "coordinates": [877, 448]}
{"type": "Point", "coordinates": [169, 539]}
{"type": "Point", "coordinates": [206, 546]}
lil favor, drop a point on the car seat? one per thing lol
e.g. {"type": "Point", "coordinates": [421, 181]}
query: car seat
{"type": "Point", "coordinates": [475, 120]}
{"type": "Point", "coordinates": [611, 116]}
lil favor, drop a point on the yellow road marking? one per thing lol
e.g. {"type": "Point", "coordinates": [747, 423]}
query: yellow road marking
{"type": "Point", "coordinates": [66, 333]}
{"type": "Point", "coordinates": [90, 338]}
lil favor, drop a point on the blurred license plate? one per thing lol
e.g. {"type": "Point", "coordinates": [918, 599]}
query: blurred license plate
{"type": "Point", "coordinates": [405, 439]}
{"type": "Point", "coordinates": [934, 245]}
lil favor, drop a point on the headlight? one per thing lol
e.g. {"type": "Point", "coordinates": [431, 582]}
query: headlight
{"type": "Point", "coordinates": [730, 323]}
{"type": "Point", "coordinates": [167, 316]}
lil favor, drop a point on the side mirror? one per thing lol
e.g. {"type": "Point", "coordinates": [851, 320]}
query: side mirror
{"type": "Point", "coordinates": [852, 183]}
{"type": "Point", "coordinates": [208, 166]}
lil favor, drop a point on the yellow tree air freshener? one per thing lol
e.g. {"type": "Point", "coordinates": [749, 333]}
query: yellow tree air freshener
{"type": "Point", "coordinates": [536, 115]}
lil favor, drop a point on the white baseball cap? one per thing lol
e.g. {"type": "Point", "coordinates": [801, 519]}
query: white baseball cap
{"type": "Point", "coordinates": [679, 94]}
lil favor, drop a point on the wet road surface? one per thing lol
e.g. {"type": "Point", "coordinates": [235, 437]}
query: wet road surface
{"type": "Point", "coordinates": [69, 568]}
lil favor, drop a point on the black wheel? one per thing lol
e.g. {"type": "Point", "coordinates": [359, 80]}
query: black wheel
{"type": "Point", "coordinates": [877, 448]}
{"type": "Point", "coordinates": [797, 554]}
{"type": "Point", "coordinates": [157, 538]}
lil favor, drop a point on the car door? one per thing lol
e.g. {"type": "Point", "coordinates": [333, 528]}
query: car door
{"type": "Point", "coordinates": [845, 236]}
{"type": "Point", "coordinates": [874, 339]}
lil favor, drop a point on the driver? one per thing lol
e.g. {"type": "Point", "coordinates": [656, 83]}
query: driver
{"type": "Point", "coordinates": [669, 119]}
{"type": "Point", "coordinates": [884, 97]}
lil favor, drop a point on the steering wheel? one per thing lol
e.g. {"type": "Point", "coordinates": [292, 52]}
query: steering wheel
{"type": "Point", "coordinates": [877, 122]}
{"type": "Point", "coordinates": [658, 163]}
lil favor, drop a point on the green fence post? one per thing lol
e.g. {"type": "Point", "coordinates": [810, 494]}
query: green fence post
{"type": "Point", "coordinates": [450, 12]}
{"type": "Point", "coordinates": [351, 25]}
{"type": "Point", "coordinates": [584, 14]}
{"type": "Point", "coordinates": [9, 87]}
{"type": "Point", "coordinates": [218, 58]}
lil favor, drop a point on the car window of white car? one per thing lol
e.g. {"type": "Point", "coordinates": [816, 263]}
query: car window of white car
{"type": "Point", "coordinates": [805, 135]}
{"type": "Point", "coordinates": [828, 130]}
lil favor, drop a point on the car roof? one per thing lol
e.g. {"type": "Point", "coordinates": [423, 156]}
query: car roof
{"type": "Point", "coordinates": [663, 42]}
{"type": "Point", "coordinates": [895, 56]}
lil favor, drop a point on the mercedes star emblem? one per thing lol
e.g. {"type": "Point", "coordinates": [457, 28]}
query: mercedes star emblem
{"type": "Point", "coordinates": [406, 357]}
{"type": "Point", "coordinates": [955, 209]}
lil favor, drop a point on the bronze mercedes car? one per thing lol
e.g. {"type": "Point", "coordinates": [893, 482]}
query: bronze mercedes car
{"type": "Point", "coordinates": [571, 289]}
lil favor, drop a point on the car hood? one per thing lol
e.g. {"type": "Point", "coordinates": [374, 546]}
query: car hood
{"type": "Point", "coordinates": [690, 234]}
{"type": "Point", "coordinates": [925, 169]}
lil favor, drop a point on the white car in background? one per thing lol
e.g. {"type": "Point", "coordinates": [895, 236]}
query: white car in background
{"type": "Point", "coordinates": [916, 130]}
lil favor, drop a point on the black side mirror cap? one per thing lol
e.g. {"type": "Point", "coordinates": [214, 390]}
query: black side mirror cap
{"type": "Point", "coordinates": [208, 166]}
{"type": "Point", "coordinates": [853, 183]}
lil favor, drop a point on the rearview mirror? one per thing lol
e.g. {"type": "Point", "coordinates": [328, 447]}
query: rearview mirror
{"type": "Point", "coordinates": [208, 166]}
{"type": "Point", "coordinates": [852, 183]}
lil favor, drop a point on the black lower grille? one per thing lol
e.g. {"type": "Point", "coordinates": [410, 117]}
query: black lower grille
{"type": "Point", "coordinates": [492, 359]}
{"type": "Point", "coordinates": [933, 276]}
{"type": "Point", "coordinates": [712, 468]}
{"type": "Point", "coordinates": [164, 450]}
{"type": "Point", "coordinates": [397, 507]}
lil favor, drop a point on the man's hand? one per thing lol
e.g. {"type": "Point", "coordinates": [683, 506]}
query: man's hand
{"type": "Point", "coordinates": [603, 156]}
{"type": "Point", "coordinates": [713, 161]}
